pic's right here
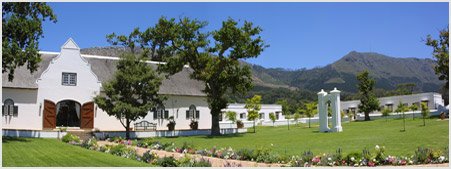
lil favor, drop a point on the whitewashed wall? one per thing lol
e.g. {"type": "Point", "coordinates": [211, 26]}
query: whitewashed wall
{"type": "Point", "coordinates": [28, 110]}
{"type": "Point", "coordinates": [434, 100]}
{"type": "Point", "coordinates": [265, 108]}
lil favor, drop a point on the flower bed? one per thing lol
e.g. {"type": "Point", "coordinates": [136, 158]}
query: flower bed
{"type": "Point", "coordinates": [148, 157]}
{"type": "Point", "coordinates": [366, 157]}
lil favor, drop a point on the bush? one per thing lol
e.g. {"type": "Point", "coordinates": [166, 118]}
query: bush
{"type": "Point", "coordinates": [245, 154]}
{"type": "Point", "coordinates": [70, 138]}
{"type": "Point", "coordinates": [166, 162]}
{"type": "Point", "coordinates": [186, 161]}
{"type": "Point", "coordinates": [353, 158]}
{"type": "Point", "coordinates": [422, 156]}
{"type": "Point", "coordinates": [202, 163]}
{"type": "Point", "coordinates": [149, 156]}
{"type": "Point", "coordinates": [266, 155]}
{"type": "Point", "coordinates": [90, 144]}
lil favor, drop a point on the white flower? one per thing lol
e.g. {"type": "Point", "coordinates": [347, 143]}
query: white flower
{"type": "Point", "coordinates": [352, 158]}
{"type": "Point", "coordinates": [377, 147]}
{"type": "Point", "coordinates": [330, 159]}
{"type": "Point", "coordinates": [272, 144]}
{"type": "Point", "coordinates": [441, 158]}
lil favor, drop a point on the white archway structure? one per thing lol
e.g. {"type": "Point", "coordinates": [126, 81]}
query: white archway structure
{"type": "Point", "coordinates": [334, 98]}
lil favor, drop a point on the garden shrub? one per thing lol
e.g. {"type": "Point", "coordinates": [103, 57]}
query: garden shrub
{"type": "Point", "coordinates": [202, 163]}
{"type": "Point", "coordinates": [166, 162]}
{"type": "Point", "coordinates": [245, 154]}
{"type": "Point", "coordinates": [307, 157]}
{"type": "Point", "coordinates": [149, 156]}
{"type": "Point", "coordinates": [70, 138]}
{"type": "Point", "coordinates": [422, 155]}
{"type": "Point", "coordinates": [90, 143]}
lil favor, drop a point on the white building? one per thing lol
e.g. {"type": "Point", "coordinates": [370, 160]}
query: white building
{"type": "Point", "coordinates": [263, 114]}
{"type": "Point", "coordinates": [433, 100]}
{"type": "Point", "coordinates": [60, 94]}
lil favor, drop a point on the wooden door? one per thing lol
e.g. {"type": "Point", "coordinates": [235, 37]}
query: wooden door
{"type": "Point", "coordinates": [87, 115]}
{"type": "Point", "coordinates": [49, 115]}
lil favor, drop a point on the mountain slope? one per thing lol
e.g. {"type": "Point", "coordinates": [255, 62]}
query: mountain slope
{"type": "Point", "coordinates": [387, 71]}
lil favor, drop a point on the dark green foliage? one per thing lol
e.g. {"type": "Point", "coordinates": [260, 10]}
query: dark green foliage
{"type": "Point", "coordinates": [21, 31]}
{"type": "Point", "coordinates": [133, 91]}
{"type": "Point", "coordinates": [307, 156]}
{"type": "Point", "coordinates": [245, 154]}
{"type": "Point", "coordinates": [441, 55]}
{"type": "Point", "coordinates": [368, 101]}
{"type": "Point", "coordinates": [148, 156]}
{"type": "Point", "coordinates": [166, 162]}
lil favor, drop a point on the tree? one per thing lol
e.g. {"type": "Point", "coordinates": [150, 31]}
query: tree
{"type": "Point", "coordinates": [272, 116]}
{"type": "Point", "coordinates": [231, 116]}
{"type": "Point", "coordinates": [296, 117]}
{"type": "Point", "coordinates": [285, 110]}
{"type": "Point", "coordinates": [253, 106]}
{"type": "Point", "coordinates": [368, 101]}
{"type": "Point", "coordinates": [402, 108]}
{"type": "Point", "coordinates": [21, 31]}
{"type": "Point", "coordinates": [385, 113]}
{"type": "Point", "coordinates": [441, 55]}
{"type": "Point", "coordinates": [414, 108]}
{"type": "Point", "coordinates": [132, 93]}
{"type": "Point", "coordinates": [216, 65]}
{"type": "Point", "coordinates": [424, 112]}
{"type": "Point", "coordinates": [310, 111]}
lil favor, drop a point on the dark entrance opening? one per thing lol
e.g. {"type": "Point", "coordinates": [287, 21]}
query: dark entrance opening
{"type": "Point", "coordinates": [68, 113]}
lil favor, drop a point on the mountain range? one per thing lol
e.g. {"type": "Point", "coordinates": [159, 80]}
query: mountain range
{"type": "Point", "coordinates": [387, 71]}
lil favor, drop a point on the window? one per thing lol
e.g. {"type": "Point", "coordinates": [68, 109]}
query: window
{"type": "Point", "coordinates": [192, 113]}
{"type": "Point", "coordinates": [261, 116]}
{"type": "Point", "coordinates": [160, 113]}
{"type": "Point", "coordinates": [220, 116]}
{"type": "Point", "coordinates": [69, 79]}
{"type": "Point", "coordinates": [243, 116]}
{"type": "Point", "coordinates": [8, 108]}
{"type": "Point", "coordinates": [277, 115]}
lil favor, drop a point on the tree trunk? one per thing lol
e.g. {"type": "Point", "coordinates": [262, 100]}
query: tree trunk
{"type": "Point", "coordinates": [404, 120]}
{"type": "Point", "coordinates": [309, 122]}
{"type": "Point", "coordinates": [413, 115]}
{"type": "Point", "coordinates": [127, 129]}
{"type": "Point", "coordinates": [367, 116]}
{"type": "Point", "coordinates": [288, 124]}
{"type": "Point", "coordinates": [254, 126]}
{"type": "Point", "coordinates": [424, 121]}
{"type": "Point", "coordinates": [215, 129]}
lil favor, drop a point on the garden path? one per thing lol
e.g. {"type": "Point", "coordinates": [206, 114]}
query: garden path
{"type": "Point", "coordinates": [215, 162]}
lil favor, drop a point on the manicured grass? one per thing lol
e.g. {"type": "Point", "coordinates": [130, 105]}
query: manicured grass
{"type": "Point", "coordinates": [27, 152]}
{"type": "Point", "coordinates": [355, 137]}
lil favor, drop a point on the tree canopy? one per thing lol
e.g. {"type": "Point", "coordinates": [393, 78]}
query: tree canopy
{"type": "Point", "coordinates": [253, 106]}
{"type": "Point", "coordinates": [441, 55]}
{"type": "Point", "coordinates": [368, 101]}
{"type": "Point", "coordinates": [132, 93]}
{"type": "Point", "coordinates": [21, 31]}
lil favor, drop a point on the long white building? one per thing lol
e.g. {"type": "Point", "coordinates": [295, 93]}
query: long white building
{"type": "Point", "coordinates": [60, 95]}
{"type": "Point", "coordinates": [433, 100]}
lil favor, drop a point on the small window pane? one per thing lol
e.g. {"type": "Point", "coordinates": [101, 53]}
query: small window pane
{"type": "Point", "coordinates": [69, 79]}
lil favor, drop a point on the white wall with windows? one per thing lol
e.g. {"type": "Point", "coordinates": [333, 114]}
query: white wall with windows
{"type": "Point", "coordinates": [264, 112]}
{"type": "Point", "coordinates": [27, 113]}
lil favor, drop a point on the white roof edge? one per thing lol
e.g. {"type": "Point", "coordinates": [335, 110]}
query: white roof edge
{"type": "Point", "coordinates": [100, 57]}
{"type": "Point", "coordinates": [397, 96]}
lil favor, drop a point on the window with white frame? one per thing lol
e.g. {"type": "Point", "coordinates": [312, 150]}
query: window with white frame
{"type": "Point", "coordinates": [243, 116]}
{"type": "Point", "coordinates": [8, 108]}
{"type": "Point", "coordinates": [261, 116]}
{"type": "Point", "coordinates": [69, 79]}
{"type": "Point", "coordinates": [160, 113]}
{"type": "Point", "coordinates": [192, 113]}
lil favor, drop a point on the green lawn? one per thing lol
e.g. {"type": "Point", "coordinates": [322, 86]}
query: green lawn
{"type": "Point", "coordinates": [355, 137]}
{"type": "Point", "coordinates": [26, 152]}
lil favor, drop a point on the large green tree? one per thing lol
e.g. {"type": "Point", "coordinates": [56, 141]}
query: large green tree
{"type": "Point", "coordinates": [368, 101]}
{"type": "Point", "coordinates": [216, 65]}
{"type": "Point", "coordinates": [132, 93]}
{"type": "Point", "coordinates": [184, 42]}
{"type": "Point", "coordinates": [441, 55]}
{"type": "Point", "coordinates": [21, 31]}
{"type": "Point", "coordinates": [253, 106]}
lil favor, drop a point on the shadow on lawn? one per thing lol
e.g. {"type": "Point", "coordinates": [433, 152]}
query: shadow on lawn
{"type": "Point", "coordinates": [11, 139]}
{"type": "Point", "coordinates": [225, 136]}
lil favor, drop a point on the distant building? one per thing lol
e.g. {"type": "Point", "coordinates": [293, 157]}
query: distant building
{"type": "Point", "coordinates": [433, 100]}
{"type": "Point", "coordinates": [263, 114]}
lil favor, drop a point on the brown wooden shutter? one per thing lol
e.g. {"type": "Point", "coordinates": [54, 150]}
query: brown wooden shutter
{"type": "Point", "coordinates": [49, 115]}
{"type": "Point", "coordinates": [87, 115]}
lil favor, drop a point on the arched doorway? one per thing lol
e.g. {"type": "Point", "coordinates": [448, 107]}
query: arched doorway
{"type": "Point", "coordinates": [68, 113]}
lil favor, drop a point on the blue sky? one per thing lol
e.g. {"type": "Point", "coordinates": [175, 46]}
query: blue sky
{"type": "Point", "coordinates": [300, 35]}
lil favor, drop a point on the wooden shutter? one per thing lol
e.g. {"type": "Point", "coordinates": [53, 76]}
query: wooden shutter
{"type": "Point", "coordinates": [49, 114]}
{"type": "Point", "coordinates": [3, 110]}
{"type": "Point", "coordinates": [87, 115]}
{"type": "Point", "coordinates": [187, 114]}
{"type": "Point", "coordinates": [197, 114]}
{"type": "Point", "coordinates": [16, 111]}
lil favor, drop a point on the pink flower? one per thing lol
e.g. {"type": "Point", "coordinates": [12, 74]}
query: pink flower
{"type": "Point", "coordinates": [316, 159]}
{"type": "Point", "coordinates": [371, 164]}
{"type": "Point", "coordinates": [403, 162]}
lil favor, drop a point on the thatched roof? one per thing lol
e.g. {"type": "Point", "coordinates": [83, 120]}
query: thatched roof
{"type": "Point", "coordinates": [104, 68]}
